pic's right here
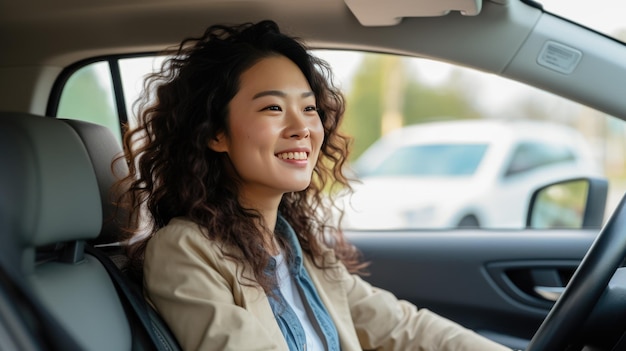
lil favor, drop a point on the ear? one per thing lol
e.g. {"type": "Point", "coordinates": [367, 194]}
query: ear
{"type": "Point", "coordinates": [219, 143]}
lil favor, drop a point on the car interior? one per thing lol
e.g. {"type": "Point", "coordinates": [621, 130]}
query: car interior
{"type": "Point", "coordinates": [63, 285]}
{"type": "Point", "coordinates": [68, 251]}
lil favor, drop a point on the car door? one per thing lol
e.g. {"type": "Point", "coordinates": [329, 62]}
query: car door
{"type": "Point", "coordinates": [484, 282]}
{"type": "Point", "coordinates": [501, 283]}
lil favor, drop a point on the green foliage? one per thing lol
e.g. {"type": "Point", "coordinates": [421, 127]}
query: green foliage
{"type": "Point", "coordinates": [426, 103]}
{"type": "Point", "coordinates": [88, 96]}
{"type": "Point", "coordinates": [420, 102]}
{"type": "Point", "coordinates": [364, 108]}
{"type": "Point", "coordinates": [561, 206]}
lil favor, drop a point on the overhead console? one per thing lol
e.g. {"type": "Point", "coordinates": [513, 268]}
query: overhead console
{"type": "Point", "coordinates": [391, 12]}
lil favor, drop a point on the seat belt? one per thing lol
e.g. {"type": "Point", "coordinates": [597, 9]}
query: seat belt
{"type": "Point", "coordinates": [156, 328]}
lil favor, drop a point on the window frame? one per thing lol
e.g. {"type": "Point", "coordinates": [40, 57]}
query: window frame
{"type": "Point", "coordinates": [60, 82]}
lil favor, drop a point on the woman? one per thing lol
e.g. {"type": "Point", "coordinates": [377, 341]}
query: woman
{"type": "Point", "coordinates": [233, 159]}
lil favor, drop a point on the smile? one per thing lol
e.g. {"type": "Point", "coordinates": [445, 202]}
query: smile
{"type": "Point", "coordinates": [293, 156]}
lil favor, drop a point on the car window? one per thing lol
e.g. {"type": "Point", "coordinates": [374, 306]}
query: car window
{"type": "Point", "coordinates": [460, 111]}
{"type": "Point", "coordinates": [88, 95]}
{"type": "Point", "coordinates": [447, 160]}
{"type": "Point", "coordinates": [529, 156]}
{"type": "Point", "coordinates": [133, 71]}
{"type": "Point", "coordinates": [606, 16]}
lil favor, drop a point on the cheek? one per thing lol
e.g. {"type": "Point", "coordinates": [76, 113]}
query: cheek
{"type": "Point", "coordinates": [315, 124]}
{"type": "Point", "coordinates": [245, 132]}
{"type": "Point", "coordinates": [317, 132]}
{"type": "Point", "coordinates": [250, 139]}
{"type": "Point", "coordinates": [317, 139]}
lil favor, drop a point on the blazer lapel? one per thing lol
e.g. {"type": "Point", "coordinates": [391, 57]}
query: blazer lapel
{"type": "Point", "coordinates": [331, 289]}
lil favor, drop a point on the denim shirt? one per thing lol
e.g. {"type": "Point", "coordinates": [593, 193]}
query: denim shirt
{"type": "Point", "coordinates": [285, 316]}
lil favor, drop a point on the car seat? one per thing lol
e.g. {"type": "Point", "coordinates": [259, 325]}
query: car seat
{"type": "Point", "coordinates": [25, 324]}
{"type": "Point", "coordinates": [103, 149]}
{"type": "Point", "coordinates": [52, 206]}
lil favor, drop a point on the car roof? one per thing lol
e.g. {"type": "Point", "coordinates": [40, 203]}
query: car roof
{"type": "Point", "coordinates": [117, 26]}
{"type": "Point", "coordinates": [40, 38]}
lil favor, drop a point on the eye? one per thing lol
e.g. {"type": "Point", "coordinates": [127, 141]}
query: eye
{"type": "Point", "coordinates": [310, 109]}
{"type": "Point", "coordinates": [272, 108]}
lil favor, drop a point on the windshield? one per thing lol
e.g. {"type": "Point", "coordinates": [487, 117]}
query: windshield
{"type": "Point", "coordinates": [604, 16]}
{"type": "Point", "coordinates": [431, 160]}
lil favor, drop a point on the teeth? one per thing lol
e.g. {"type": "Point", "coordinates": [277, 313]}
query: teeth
{"type": "Point", "coordinates": [292, 156]}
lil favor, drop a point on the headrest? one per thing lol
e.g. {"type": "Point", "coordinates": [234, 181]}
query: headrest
{"type": "Point", "coordinates": [48, 188]}
{"type": "Point", "coordinates": [103, 148]}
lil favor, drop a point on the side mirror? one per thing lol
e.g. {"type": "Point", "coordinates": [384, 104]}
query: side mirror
{"type": "Point", "coordinates": [573, 204]}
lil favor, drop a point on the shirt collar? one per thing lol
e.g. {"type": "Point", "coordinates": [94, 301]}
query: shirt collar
{"type": "Point", "coordinates": [284, 229]}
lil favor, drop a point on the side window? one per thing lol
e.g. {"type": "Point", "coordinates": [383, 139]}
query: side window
{"type": "Point", "coordinates": [417, 126]}
{"type": "Point", "coordinates": [133, 71]}
{"type": "Point", "coordinates": [529, 156]}
{"type": "Point", "coordinates": [88, 95]}
{"type": "Point", "coordinates": [431, 160]}
{"type": "Point", "coordinates": [429, 139]}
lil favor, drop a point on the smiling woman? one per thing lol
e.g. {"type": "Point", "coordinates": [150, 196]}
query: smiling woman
{"type": "Point", "coordinates": [266, 126]}
{"type": "Point", "coordinates": [232, 167]}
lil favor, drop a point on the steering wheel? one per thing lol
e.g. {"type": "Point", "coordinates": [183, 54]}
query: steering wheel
{"type": "Point", "coordinates": [573, 307]}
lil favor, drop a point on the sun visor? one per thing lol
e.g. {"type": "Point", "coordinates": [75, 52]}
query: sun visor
{"type": "Point", "coordinates": [391, 12]}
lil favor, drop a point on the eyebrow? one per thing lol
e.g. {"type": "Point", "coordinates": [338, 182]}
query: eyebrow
{"type": "Point", "coordinates": [279, 94]}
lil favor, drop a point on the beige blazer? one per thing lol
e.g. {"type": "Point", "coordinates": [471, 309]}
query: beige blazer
{"type": "Point", "coordinates": [196, 290]}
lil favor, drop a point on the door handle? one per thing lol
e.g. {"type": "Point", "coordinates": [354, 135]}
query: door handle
{"type": "Point", "coordinates": [550, 293]}
{"type": "Point", "coordinates": [535, 283]}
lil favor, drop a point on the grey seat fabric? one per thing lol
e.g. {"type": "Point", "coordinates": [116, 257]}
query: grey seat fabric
{"type": "Point", "coordinates": [102, 148]}
{"type": "Point", "coordinates": [51, 204]}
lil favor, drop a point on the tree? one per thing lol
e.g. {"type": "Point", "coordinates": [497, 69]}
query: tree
{"type": "Point", "coordinates": [449, 100]}
{"type": "Point", "coordinates": [386, 94]}
{"type": "Point", "coordinates": [364, 107]}
{"type": "Point", "coordinates": [88, 96]}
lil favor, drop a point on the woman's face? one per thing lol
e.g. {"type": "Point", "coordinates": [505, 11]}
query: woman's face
{"type": "Point", "coordinates": [275, 130]}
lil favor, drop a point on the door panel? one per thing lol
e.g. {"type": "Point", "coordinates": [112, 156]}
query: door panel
{"type": "Point", "coordinates": [490, 281]}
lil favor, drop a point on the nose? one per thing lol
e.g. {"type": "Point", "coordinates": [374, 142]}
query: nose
{"type": "Point", "coordinates": [297, 127]}
{"type": "Point", "coordinates": [301, 133]}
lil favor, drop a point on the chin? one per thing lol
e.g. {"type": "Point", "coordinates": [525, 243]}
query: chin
{"type": "Point", "coordinates": [298, 187]}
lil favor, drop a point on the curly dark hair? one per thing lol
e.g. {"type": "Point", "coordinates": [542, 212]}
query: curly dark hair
{"type": "Point", "coordinates": [173, 173]}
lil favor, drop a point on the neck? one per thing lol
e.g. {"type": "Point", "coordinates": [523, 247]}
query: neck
{"type": "Point", "coordinates": [267, 228]}
{"type": "Point", "coordinates": [268, 209]}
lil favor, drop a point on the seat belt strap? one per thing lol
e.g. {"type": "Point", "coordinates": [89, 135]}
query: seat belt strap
{"type": "Point", "coordinates": [152, 323]}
